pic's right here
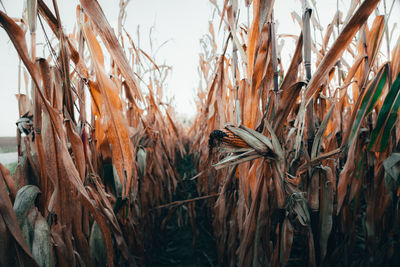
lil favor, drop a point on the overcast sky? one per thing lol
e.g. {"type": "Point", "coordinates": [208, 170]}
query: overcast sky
{"type": "Point", "coordinates": [182, 22]}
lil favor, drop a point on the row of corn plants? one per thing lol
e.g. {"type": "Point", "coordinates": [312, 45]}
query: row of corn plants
{"type": "Point", "coordinates": [97, 144]}
{"type": "Point", "coordinates": [303, 155]}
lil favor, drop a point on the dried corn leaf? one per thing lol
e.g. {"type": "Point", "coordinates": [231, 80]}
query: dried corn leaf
{"type": "Point", "coordinates": [10, 220]}
{"type": "Point", "coordinates": [116, 127]}
{"type": "Point", "coordinates": [343, 41]}
{"type": "Point", "coordinates": [93, 9]}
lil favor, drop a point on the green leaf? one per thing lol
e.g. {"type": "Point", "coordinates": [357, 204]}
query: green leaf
{"type": "Point", "coordinates": [369, 100]}
{"type": "Point", "coordinates": [386, 118]}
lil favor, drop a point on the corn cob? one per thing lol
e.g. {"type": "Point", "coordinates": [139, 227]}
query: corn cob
{"type": "Point", "coordinates": [217, 137]}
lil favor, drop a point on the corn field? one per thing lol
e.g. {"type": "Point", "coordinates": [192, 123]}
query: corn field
{"type": "Point", "coordinates": [285, 163]}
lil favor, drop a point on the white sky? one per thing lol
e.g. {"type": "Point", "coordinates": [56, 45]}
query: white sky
{"type": "Point", "coordinates": [183, 22]}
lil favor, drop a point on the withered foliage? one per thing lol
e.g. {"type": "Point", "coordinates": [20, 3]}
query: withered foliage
{"type": "Point", "coordinates": [305, 158]}
{"type": "Point", "coordinates": [86, 182]}
{"type": "Point", "coordinates": [298, 161]}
